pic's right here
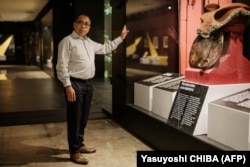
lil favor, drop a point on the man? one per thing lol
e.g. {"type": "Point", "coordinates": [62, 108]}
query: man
{"type": "Point", "coordinates": [75, 69]}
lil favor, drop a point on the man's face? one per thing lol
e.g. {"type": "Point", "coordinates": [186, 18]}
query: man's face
{"type": "Point", "coordinates": [82, 25]}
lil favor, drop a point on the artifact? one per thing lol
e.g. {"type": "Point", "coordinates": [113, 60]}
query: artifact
{"type": "Point", "coordinates": [205, 52]}
{"type": "Point", "coordinates": [208, 45]}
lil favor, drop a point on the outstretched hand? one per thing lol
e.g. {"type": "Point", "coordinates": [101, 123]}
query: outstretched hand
{"type": "Point", "coordinates": [172, 33]}
{"type": "Point", "coordinates": [124, 32]}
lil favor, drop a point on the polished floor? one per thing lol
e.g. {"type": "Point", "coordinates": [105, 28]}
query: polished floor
{"type": "Point", "coordinates": [33, 127]}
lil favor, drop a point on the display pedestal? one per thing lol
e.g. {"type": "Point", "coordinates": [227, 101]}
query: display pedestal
{"type": "Point", "coordinates": [190, 108]}
{"type": "Point", "coordinates": [163, 98]}
{"type": "Point", "coordinates": [143, 90]}
{"type": "Point", "coordinates": [229, 120]}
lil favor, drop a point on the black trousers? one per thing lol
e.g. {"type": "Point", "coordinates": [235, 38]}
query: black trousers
{"type": "Point", "coordinates": [78, 113]}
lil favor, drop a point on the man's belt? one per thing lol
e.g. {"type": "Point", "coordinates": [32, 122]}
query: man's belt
{"type": "Point", "coordinates": [80, 80]}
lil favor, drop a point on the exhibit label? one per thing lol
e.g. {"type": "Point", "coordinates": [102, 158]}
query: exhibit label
{"type": "Point", "coordinates": [187, 106]}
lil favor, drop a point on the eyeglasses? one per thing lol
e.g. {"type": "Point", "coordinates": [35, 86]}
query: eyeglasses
{"type": "Point", "coordinates": [81, 23]}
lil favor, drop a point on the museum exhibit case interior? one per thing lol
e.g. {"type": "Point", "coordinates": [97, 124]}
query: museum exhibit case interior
{"type": "Point", "coordinates": [172, 113]}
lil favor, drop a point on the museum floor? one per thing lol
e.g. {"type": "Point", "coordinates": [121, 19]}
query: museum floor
{"type": "Point", "coordinates": [33, 127]}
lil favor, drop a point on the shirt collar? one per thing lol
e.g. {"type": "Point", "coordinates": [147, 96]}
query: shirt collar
{"type": "Point", "coordinates": [75, 35]}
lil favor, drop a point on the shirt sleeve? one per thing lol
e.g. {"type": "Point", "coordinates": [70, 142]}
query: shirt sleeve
{"type": "Point", "coordinates": [62, 62]}
{"type": "Point", "coordinates": [108, 47]}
